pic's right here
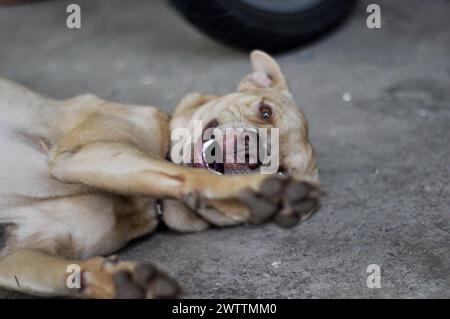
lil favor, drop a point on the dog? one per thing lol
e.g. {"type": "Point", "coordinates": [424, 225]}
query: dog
{"type": "Point", "coordinates": [82, 177]}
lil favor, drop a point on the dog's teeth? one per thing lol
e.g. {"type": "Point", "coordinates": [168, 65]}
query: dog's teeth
{"type": "Point", "coordinates": [207, 144]}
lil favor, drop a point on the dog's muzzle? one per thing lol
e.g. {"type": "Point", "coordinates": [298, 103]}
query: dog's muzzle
{"type": "Point", "coordinates": [234, 151]}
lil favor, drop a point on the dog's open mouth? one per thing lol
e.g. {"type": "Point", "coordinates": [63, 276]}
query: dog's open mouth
{"type": "Point", "coordinates": [227, 166]}
{"type": "Point", "coordinates": [233, 153]}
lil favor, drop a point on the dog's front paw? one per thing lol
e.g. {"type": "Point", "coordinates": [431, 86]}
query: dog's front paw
{"type": "Point", "coordinates": [110, 278]}
{"type": "Point", "coordinates": [283, 200]}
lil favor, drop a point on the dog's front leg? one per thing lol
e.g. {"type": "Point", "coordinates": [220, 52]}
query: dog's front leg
{"type": "Point", "coordinates": [123, 169]}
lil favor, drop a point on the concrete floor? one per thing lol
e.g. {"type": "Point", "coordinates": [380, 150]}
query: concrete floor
{"type": "Point", "coordinates": [384, 156]}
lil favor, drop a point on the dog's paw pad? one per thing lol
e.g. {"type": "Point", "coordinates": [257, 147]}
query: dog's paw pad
{"type": "Point", "coordinates": [300, 201]}
{"type": "Point", "coordinates": [144, 273]}
{"type": "Point", "coordinates": [272, 187]}
{"type": "Point", "coordinates": [283, 200]}
{"type": "Point", "coordinates": [304, 207]}
{"type": "Point", "coordinates": [111, 278]}
{"type": "Point", "coordinates": [164, 287]}
{"type": "Point", "coordinates": [261, 208]}
{"type": "Point", "coordinates": [145, 281]}
{"type": "Point", "coordinates": [125, 287]}
{"type": "Point", "coordinates": [286, 218]}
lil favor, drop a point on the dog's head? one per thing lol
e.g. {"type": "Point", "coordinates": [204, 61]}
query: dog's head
{"type": "Point", "coordinates": [239, 127]}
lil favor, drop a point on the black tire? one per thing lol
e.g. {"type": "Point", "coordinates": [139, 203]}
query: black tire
{"type": "Point", "coordinates": [248, 26]}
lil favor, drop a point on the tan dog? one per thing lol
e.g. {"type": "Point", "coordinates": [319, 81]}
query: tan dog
{"type": "Point", "coordinates": [82, 177]}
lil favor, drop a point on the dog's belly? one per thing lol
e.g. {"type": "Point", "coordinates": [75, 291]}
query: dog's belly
{"type": "Point", "coordinates": [74, 227]}
{"type": "Point", "coordinates": [37, 211]}
{"type": "Point", "coordinates": [24, 169]}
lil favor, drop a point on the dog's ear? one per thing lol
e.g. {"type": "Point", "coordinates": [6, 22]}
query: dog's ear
{"type": "Point", "coordinates": [266, 74]}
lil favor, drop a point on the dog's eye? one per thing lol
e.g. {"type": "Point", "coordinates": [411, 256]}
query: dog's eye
{"type": "Point", "coordinates": [265, 111]}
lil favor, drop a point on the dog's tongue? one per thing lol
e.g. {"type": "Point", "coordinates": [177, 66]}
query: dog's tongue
{"type": "Point", "coordinates": [237, 169]}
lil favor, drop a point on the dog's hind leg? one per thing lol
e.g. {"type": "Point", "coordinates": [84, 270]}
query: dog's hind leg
{"type": "Point", "coordinates": [39, 273]}
{"type": "Point", "coordinates": [34, 272]}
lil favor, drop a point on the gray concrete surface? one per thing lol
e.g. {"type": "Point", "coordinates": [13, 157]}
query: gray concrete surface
{"type": "Point", "coordinates": [384, 156]}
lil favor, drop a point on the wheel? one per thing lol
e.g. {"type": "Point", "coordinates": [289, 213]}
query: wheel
{"type": "Point", "coordinates": [270, 25]}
